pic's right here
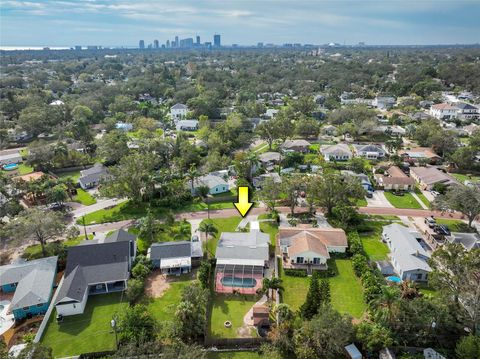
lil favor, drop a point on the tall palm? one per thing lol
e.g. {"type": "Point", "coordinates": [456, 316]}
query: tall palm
{"type": "Point", "coordinates": [271, 284]}
{"type": "Point", "coordinates": [209, 229]}
{"type": "Point", "coordinates": [192, 174]}
{"type": "Point", "coordinates": [386, 303]}
{"type": "Point", "coordinates": [253, 161]}
{"type": "Point", "coordinates": [203, 192]}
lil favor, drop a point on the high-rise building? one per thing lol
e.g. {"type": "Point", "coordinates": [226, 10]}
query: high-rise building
{"type": "Point", "coordinates": [155, 44]}
{"type": "Point", "coordinates": [78, 47]}
{"type": "Point", "coordinates": [188, 42]}
{"type": "Point", "coordinates": [168, 43]}
{"type": "Point", "coordinates": [176, 41]}
{"type": "Point", "coordinates": [216, 40]}
{"type": "Point", "coordinates": [141, 44]}
{"type": "Point", "coordinates": [198, 40]}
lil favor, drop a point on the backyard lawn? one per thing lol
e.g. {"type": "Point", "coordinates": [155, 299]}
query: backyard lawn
{"type": "Point", "coordinates": [84, 198]}
{"type": "Point", "coordinates": [465, 177]}
{"type": "Point", "coordinates": [222, 225]}
{"type": "Point", "coordinates": [73, 175]}
{"type": "Point", "coordinates": [346, 290]}
{"type": "Point", "coordinates": [405, 201]}
{"type": "Point", "coordinates": [232, 308]}
{"type": "Point", "coordinates": [163, 308]}
{"type": "Point", "coordinates": [87, 332]}
{"type": "Point", "coordinates": [23, 169]}
{"type": "Point", "coordinates": [372, 243]}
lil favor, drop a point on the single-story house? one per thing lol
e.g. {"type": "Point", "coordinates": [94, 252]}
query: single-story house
{"type": "Point", "coordinates": [384, 102]}
{"type": "Point", "coordinates": [92, 176]}
{"type": "Point", "coordinates": [296, 146]}
{"type": "Point", "coordinates": [408, 257]}
{"type": "Point", "coordinates": [216, 184]}
{"type": "Point", "coordinates": [11, 158]}
{"type": "Point", "coordinates": [124, 126]}
{"type": "Point", "coordinates": [370, 151]}
{"type": "Point", "coordinates": [270, 113]}
{"type": "Point", "coordinates": [393, 130]}
{"type": "Point", "coordinates": [95, 267]}
{"type": "Point", "coordinates": [258, 181]}
{"type": "Point", "coordinates": [340, 152]}
{"type": "Point", "coordinates": [32, 283]}
{"type": "Point", "coordinates": [175, 257]}
{"type": "Point", "coordinates": [364, 180]}
{"type": "Point", "coordinates": [178, 111]}
{"type": "Point", "coordinates": [413, 155]}
{"type": "Point", "coordinates": [270, 159]}
{"type": "Point", "coordinates": [241, 261]}
{"type": "Point", "coordinates": [330, 130]}
{"type": "Point", "coordinates": [304, 247]}
{"type": "Point", "coordinates": [395, 179]}
{"type": "Point", "coordinates": [187, 125]}
{"type": "Point", "coordinates": [469, 241]}
{"type": "Point", "coordinates": [427, 177]}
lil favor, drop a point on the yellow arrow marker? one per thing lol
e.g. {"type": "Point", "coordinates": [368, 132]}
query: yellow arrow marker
{"type": "Point", "coordinates": [243, 205]}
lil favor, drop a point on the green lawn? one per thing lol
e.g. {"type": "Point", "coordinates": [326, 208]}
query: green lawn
{"type": "Point", "coordinates": [73, 175]}
{"type": "Point", "coordinates": [232, 308]}
{"type": "Point", "coordinates": [372, 243]}
{"type": "Point", "coordinates": [380, 217]}
{"type": "Point", "coordinates": [455, 225]}
{"type": "Point", "coordinates": [163, 308]}
{"type": "Point", "coordinates": [233, 355]}
{"type": "Point", "coordinates": [87, 332]}
{"type": "Point", "coordinates": [178, 231]}
{"type": "Point", "coordinates": [23, 169]}
{"type": "Point", "coordinates": [465, 177]}
{"type": "Point", "coordinates": [362, 202]}
{"type": "Point", "coordinates": [222, 225]}
{"type": "Point", "coordinates": [405, 201]}
{"type": "Point", "coordinates": [346, 290]}
{"type": "Point", "coordinates": [84, 198]}
{"type": "Point", "coordinates": [422, 197]}
{"type": "Point", "coordinates": [35, 251]}
{"type": "Point", "coordinates": [427, 290]}
{"type": "Point", "coordinates": [271, 228]}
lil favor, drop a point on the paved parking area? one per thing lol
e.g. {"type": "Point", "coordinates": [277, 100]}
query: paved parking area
{"type": "Point", "coordinates": [378, 200]}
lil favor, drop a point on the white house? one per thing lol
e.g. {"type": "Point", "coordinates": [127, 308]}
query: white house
{"type": "Point", "coordinates": [187, 125]}
{"type": "Point", "coordinates": [178, 111]}
{"type": "Point", "coordinates": [443, 111]}
{"type": "Point", "coordinates": [409, 259]}
{"type": "Point", "coordinates": [340, 152]}
{"type": "Point", "coordinates": [370, 151]}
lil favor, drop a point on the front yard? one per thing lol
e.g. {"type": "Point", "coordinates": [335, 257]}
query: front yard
{"type": "Point", "coordinates": [346, 290]}
{"type": "Point", "coordinates": [404, 201]}
{"type": "Point", "coordinates": [230, 308]}
{"type": "Point", "coordinates": [84, 198]}
{"type": "Point", "coordinates": [372, 243]}
{"type": "Point", "coordinates": [222, 225]}
{"type": "Point", "coordinates": [87, 332]}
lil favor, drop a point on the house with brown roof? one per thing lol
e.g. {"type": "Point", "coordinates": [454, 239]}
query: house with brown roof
{"type": "Point", "coordinates": [302, 146]}
{"type": "Point", "coordinates": [416, 154]}
{"type": "Point", "coordinates": [307, 247]}
{"type": "Point", "coordinates": [394, 179]}
{"type": "Point", "coordinates": [427, 177]}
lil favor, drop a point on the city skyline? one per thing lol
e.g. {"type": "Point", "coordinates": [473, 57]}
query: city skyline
{"type": "Point", "coordinates": [122, 23]}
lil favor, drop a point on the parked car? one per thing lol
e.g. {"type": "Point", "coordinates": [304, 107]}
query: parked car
{"type": "Point", "coordinates": [442, 229]}
{"type": "Point", "coordinates": [430, 221]}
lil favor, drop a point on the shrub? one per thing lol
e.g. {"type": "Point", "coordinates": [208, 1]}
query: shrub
{"type": "Point", "coordinates": [296, 272]}
{"type": "Point", "coordinates": [140, 271]}
{"type": "Point", "coordinates": [134, 290]}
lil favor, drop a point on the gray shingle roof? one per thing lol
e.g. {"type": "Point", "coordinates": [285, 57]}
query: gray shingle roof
{"type": "Point", "coordinates": [179, 106]}
{"type": "Point", "coordinates": [241, 245]}
{"type": "Point", "coordinates": [35, 281]}
{"type": "Point", "coordinates": [170, 250]}
{"type": "Point", "coordinates": [93, 174]}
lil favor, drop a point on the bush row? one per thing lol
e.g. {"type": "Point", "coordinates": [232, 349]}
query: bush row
{"type": "Point", "coordinates": [295, 272]}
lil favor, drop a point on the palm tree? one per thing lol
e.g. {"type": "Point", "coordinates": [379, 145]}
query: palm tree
{"type": "Point", "coordinates": [408, 290]}
{"type": "Point", "coordinates": [271, 284]}
{"type": "Point", "coordinates": [386, 303]}
{"type": "Point", "coordinates": [192, 174]}
{"type": "Point", "coordinates": [209, 229]}
{"type": "Point", "coordinates": [253, 161]}
{"type": "Point", "coordinates": [203, 192]}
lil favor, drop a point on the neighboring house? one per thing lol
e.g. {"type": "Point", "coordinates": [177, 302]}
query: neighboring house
{"type": "Point", "coordinates": [408, 257]}
{"type": "Point", "coordinates": [395, 179]}
{"type": "Point", "coordinates": [296, 146]}
{"type": "Point", "coordinates": [270, 159]}
{"type": "Point", "coordinates": [91, 177]}
{"type": "Point", "coordinates": [11, 158]}
{"type": "Point", "coordinates": [413, 155]}
{"type": "Point", "coordinates": [443, 111]}
{"type": "Point", "coordinates": [95, 267]}
{"type": "Point", "coordinates": [391, 130]}
{"type": "Point", "coordinates": [187, 125]}
{"type": "Point", "coordinates": [124, 126]}
{"type": "Point", "coordinates": [364, 180]}
{"type": "Point", "coordinates": [271, 113]}
{"type": "Point", "coordinates": [425, 104]}
{"type": "Point", "coordinates": [215, 184]}
{"type": "Point", "coordinates": [469, 241]}
{"type": "Point", "coordinates": [340, 152]}
{"type": "Point", "coordinates": [241, 261]}
{"type": "Point", "coordinates": [310, 247]}
{"type": "Point", "coordinates": [175, 257]}
{"type": "Point", "coordinates": [32, 283]}
{"type": "Point", "coordinates": [370, 151]}
{"type": "Point", "coordinates": [178, 111]}
{"type": "Point", "coordinates": [470, 129]}
{"type": "Point", "coordinates": [258, 181]}
{"type": "Point", "coordinates": [427, 177]}
{"type": "Point", "coordinates": [384, 102]}
{"type": "Point", "coordinates": [420, 116]}
{"type": "Point", "coordinates": [467, 112]}
{"type": "Point", "coordinates": [330, 130]}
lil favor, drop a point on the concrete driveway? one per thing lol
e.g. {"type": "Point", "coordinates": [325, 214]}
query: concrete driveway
{"type": "Point", "coordinates": [378, 200]}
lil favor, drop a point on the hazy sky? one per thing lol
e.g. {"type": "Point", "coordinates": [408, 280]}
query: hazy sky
{"type": "Point", "coordinates": [122, 22]}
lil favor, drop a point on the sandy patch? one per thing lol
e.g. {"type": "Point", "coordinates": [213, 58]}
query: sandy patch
{"type": "Point", "coordinates": [156, 284]}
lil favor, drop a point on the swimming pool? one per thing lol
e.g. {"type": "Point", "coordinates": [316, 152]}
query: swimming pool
{"type": "Point", "coordinates": [395, 279]}
{"type": "Point", "coordinates": [238, 282]}
{"type": "Point", "coordinates": [10, 167]}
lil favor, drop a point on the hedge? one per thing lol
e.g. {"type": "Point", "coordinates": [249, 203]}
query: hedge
{"type": "Point", "coordinates": [295, 272]}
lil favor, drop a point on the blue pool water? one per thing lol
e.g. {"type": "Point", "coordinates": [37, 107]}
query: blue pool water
{"type": "Point", "coordinates": [11, 166]}
{"type": "Point", "coordinates": [238, 282]}
{"type": "Point", "coordinates": [395, 279]}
